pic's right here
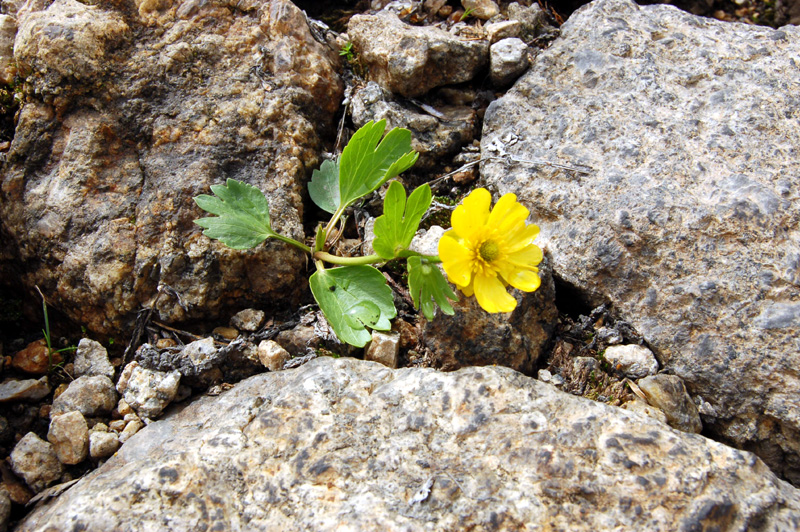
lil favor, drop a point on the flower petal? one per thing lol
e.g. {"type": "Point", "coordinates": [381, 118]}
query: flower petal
{"type": "Point", "coordinates": [470, 217]}
{"type": "Point", "coordinates": [507, 214]}
{"type": "Point", "coordinates": [492, 295]}
{"type": "Point", "coordinates": [527, 257]}
{"type": "Point", "coordinates": [525, 280]}
{"type": "Point", "coordinates": [523, 236]}
{"type": "Point", "coordinates": [456, 259]}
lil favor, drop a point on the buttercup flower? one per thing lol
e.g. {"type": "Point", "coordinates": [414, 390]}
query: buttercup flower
{"type": "Point", "coordinates": [487, 250]}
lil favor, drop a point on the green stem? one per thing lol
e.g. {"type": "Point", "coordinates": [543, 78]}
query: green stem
{"type": "Point", "coordinates": [293, 242]}
{"type": "Point", "coordinates": [348, 261]}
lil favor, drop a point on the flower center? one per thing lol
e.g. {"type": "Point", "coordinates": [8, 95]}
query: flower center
{"type": "Point", "coordinates": [489, 251]}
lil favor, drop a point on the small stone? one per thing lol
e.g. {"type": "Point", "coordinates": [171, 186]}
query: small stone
{"type": "Point", "coordinates": [634, 361]}
{"type": "Point", "coordinates": [505, 29]}
{"type": "Point", "coordinates": [61, 388]}
{"type": "Point", "coordinates": [130, 429]}
{"type": "Point", "coordinates": [44, 411]}
{"type": "Point", "coordinates": [229, 333]}
{"type": "Point", "coordinates": [384, 348]}
{"type": "Point", "coordinates": [508, 59]}
{"type": "Point", "coordinates": [200, 351]}
{"type": "Point", "coordinates": [668, 393]}
{"type": "Point", "coordinates": [89, 395]}
{"type": "Point", "coordinates": [248, 320]}
{"type": "Point", "coordinates": [545, 375]}
{"type": "Point", "coordinates": [131, 417]}
{"type": "Point", "coordinates": [148, 391]}
{"type": "Point", "coordinates": [272, 355]}
{"type": "Point", "coordinates": [103, 444]}
{"type": "Point", "coordinates": [482, 9]}
{"type": "Point", "coordinates": [91, 358]}
{"type": "Point", "coordinates": [558, 380]}
{"type": "Point", "coordinates": [99, 427]}
{"type": "Point", "coordinates": [609, 336]}
{"type": "Point", "coordinates": [118, 425]}
{"type": "Point", "coordinates": [124, 408]}
{"type": "Point", "coordinates": [69, 435]}
{"type": "Point", "coordinates": [427, 242]}
{"type": "Point", "coordinates": [33, 359]}
{"type": "Point", "coordinates": [36, 462]}
{"type": "Point", "coordinates": [163, 343]}
{"type": "Point", "coordinates": [23, 390]}
{"type": "Point", "coordinates": [639, 406]}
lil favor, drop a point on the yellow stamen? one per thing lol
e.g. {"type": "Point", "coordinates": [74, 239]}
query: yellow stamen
{"type": "Point", "coordinates": [489, 251]}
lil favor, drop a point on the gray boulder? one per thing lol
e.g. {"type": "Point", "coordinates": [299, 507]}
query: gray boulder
{"type": "Point", "coordinates": [131, 113]}
{"type": "Point", "coordinates": [687, 220]}
{"type": "Point", "coordinates": [346, 444]}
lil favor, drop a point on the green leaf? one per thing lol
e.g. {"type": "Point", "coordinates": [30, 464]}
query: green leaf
{"type": "Point", "coordinates": [324, 186]}
{"type": "Point", "coordinates": [353, 298]}
{"type": "Point", "coordinates": [395, 229]}
{"type": "Point", "coordinates": [365, 165]}
{"type": "Point", "coordinates": [242, 211]}
{"type": "Point", "coordinates": [428, 287]}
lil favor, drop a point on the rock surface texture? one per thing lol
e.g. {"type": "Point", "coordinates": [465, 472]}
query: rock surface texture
{"type": "Point", "coordinates": [688, 220]}
{"type": "Point", "coordinates": [343, 444]}
{"type": "Point", "coordinates": [133, 109]}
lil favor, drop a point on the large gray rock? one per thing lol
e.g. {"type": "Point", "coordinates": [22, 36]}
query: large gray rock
{"type": "Point", "coordinates": [343, 444]}
{"type": "Point", "coordinates": [411, 60]}
{"type": "Point", "coordinates": [687, 222]}
{"type": "Point", "coordinates": [133, 109]}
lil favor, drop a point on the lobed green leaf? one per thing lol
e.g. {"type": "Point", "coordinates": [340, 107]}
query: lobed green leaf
{"type": "Point", "coordinates": [429, 288]}
{"type": "Point", "coordinates": [324, 186]}
{"type": "Point", "coordinates": [352, 299]}
{"type": "Point", "coordinates": [395, 229]}
{"type": "Point", "coordinates": [242, 215]}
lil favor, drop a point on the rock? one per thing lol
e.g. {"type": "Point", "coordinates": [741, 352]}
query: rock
{"type": "Point", "coordinates": [127, 120]}
{"type": "Point", "coordinates": [436, 133]}
{"type": "Point", "coordinates": [427, 242]}
{"type": "Point", "coordinates": [634, 361]}
{"type": "Point", "coordinates": [118, 425]}
{"type": "Point", "coordinates": [35, 461]}
{"type": "Point", "coordinates": [132, 427]}
{"type": "Point", "coordinates": [503, 30]}
{"type": "Point", "coordinates": [69, 435]}
{"type": "Point", "coordinates": [668, 393]}
{"type": "Point", "coordinates": [228, 333]}
{"type": "Point", "coordinates": [200, 352]}
{"type": "Point", "coordinates": [147, 391]}
{"type": "Point", "coordinates": [508, 59]}
{"type": "Point", "coordinates": [5, 508]}
{"type": "Point", "coordinates": [532, 20]}
{"type": "Point", "coordinates": [412, 60]}
{"type": "Point", "coordinates": [249, 319]}
{"type": "Point", "coordinates": [34, 358]}
{"type": "Point", "coordinates": [473, 337]}
{"type": "Point", "coordinates": [482, 9]}
{"type": "Point", "coordinates": [91, 358]}
{"type": "Point", "coordinates": [480, 449]}
{"type": "Point", "coordinates": [102, 444]}
{"type": "Point", "coordinates": [679, 224]}
{"type": "Point", "coordinates": [90, 395]}
{"type": "Point", "coordinates": [23, 390]}
{"type": "Point", "coordinates": [8, 69]}
{"type": "Point", "coordinates": [637, 405]}
{"type": "Point", "coordinates": [383, 348]}
{"type": "Point", "coordinates": [272, 355]}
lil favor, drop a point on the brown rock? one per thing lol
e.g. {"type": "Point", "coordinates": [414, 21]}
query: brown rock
{"type": "Point", "coordinates": [33, 359]}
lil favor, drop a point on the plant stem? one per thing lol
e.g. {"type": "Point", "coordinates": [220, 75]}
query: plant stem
{"type": "Point", "coordinates": [348, 261]}
{"type": "Point", "coordinates": [293, 242]}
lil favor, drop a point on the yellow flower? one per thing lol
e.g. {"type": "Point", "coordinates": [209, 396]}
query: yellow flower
{"type": "Point", "coordinates": [487, 250]}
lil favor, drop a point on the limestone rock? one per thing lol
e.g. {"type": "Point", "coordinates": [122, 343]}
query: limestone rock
{"type": "Point", "coordinates": [272, 355]}
{"type": "Point", "coordinates": [90, 395]}
{"type": "Point", "coordinates": [23, 390]}
{"type": "Point", "coordinates": [91, 358]}
{"type": "Point", "coordinates": [411, 60]}
{"type": "Point", "coordinates": [384, 348]}
{"type": "Point", "coordinates": [508, 59]}
{"type": "Point", "coordinates": [482, 9]}
{"type": "Point", "coordinates": [36, 462]}
{"type": "Point", "coordinates": [473, 337]}
{"type": "Point", "coordinates": [635, 361]}
{"type": "Point", "coordinates": [433, 136]}
{"type": "Point", "coordinates": [637, 405]}
{"type": "Point", "coordinates": [686, 221]}
{"type": "Point", "coordinates": [128, 119]}
{"type": "Point", "coordinates": [102, 444]}
{"type": "Point", "coordinates": [69, 435]}
{"type": "Point", "coordinates": [668, 393]}
{"type": "Point", "coordinates": [148, 391]}
{"type": "Point", "coordinates": [346, 444]}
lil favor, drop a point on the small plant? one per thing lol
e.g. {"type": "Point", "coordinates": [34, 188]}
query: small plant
{"type": "Point", "coordinates": [354, 295]}
{"type": "Point", "coordinates": [347, 52]}
{"type": "Point", "coordinates": [467, 13]}
{"type": "Point", "coordinates": [47, 337]}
